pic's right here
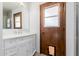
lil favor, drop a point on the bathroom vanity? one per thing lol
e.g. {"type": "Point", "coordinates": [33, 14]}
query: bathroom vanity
{"type": "Point", "coordinates": [17, 39]}
{"type": "Point", "coordinates": [19, 45]}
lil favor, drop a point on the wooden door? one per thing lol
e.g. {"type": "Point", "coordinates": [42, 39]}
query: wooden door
{"type": "Point", "coordinates": [53, 28]}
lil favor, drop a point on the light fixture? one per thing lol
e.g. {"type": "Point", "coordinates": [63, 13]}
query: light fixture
{"type": "Point", "coordinates": [22, 4]}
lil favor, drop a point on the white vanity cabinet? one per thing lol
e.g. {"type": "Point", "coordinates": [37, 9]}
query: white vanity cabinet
{"type": "Point", "coordinates": [10, 47]}
{"type": "Point", "coordinates": [20, 46]}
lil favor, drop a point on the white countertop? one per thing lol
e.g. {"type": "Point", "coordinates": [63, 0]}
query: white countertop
{"type": "Point", "coordinates": [9, 36]}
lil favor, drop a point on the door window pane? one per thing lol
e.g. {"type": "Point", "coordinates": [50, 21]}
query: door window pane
{"type": "Point", "coordinates": [52, 16]}
{"type": "Point", "coordinates": [52, 22]}
{"type": "Point", "coordinates": [52, 11]}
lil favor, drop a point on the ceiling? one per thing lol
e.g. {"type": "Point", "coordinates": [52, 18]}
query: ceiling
{"type": "Point", "coordinates": [8, 6]}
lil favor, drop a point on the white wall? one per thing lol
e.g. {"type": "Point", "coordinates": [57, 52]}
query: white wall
{"type": "Point", "coordinates": [70, 25]}
{"type": "Point", "coordinates": [35, 22]}
{"type": "Point", "coordinates": [70, 29]}
{"type": "Point", "coordinates": [1, 18]}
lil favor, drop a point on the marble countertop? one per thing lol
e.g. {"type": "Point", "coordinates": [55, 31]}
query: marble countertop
{"type": "Point", "coordinates": [9, 36]}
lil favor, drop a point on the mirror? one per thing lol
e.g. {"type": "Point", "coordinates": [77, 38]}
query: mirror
{"type": "Point", "coordinates": [15, 15]}
{"type": "Point", "coordinates": [18, 20]}
{"type": "Point", "coordinates": [7, 19]}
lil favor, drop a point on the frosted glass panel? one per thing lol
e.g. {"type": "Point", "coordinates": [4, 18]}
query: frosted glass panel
{"type": "Point", "coordinates": [52, 22]}
{"type": "Point", "coordinates": [52, 11]}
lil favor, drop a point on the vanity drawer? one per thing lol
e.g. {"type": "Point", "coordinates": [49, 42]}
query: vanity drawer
{"type": "Point", "coordinates": [20, 40]}
{"type": "Point", "coordinates": [11, 51]}
{"type": "Point", "coordinates": [23, 39]}
{"type": "Point", "coordinates": [29, 37]}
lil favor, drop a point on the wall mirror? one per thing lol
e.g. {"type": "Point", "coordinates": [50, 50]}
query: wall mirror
{"type": "Point", "coordinates": [18, 20]}
{"type": "Point", "coordinates": [15, 15]}
{"type": "Point", "coordinates": [7, 15]}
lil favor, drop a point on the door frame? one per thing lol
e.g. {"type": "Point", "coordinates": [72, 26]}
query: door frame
{"type": "Point", "coordinates": [46, 4]}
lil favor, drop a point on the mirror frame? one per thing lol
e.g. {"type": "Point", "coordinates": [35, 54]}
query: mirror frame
{"type": "Point", "coordinates": [18, 14]}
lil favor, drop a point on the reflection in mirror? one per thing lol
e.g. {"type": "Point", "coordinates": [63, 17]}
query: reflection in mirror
{"type": "Point", "coordinates": [7, 19]}
{"type": "Point", "coordinates": [16, 16]}
{"type": "Point", "coordinates": [18, 20]}
{"type": "Point", "coordinates": [9, 10]}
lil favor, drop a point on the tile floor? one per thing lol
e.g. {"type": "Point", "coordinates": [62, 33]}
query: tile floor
{"type": "Point", "coordinates": [38, 54]}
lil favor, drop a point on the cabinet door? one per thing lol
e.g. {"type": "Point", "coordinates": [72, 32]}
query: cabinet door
{"type": "Point", "coordinates": [33, 44]}
{"type": "Point", "coordinates": [10, 48]}
{"type": "Point", "coordinates": [26, 46]}
{"type": "Point", "coordinates": [30, 43]}
{"type": "Point", "coordinates": [12, 51]}
{"type": "Point", "coordinates": [29, 47]}
{"type": "Point", "coordinates": [9, 43]}
{"type": "Point", "coordinates": [21, 49]}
